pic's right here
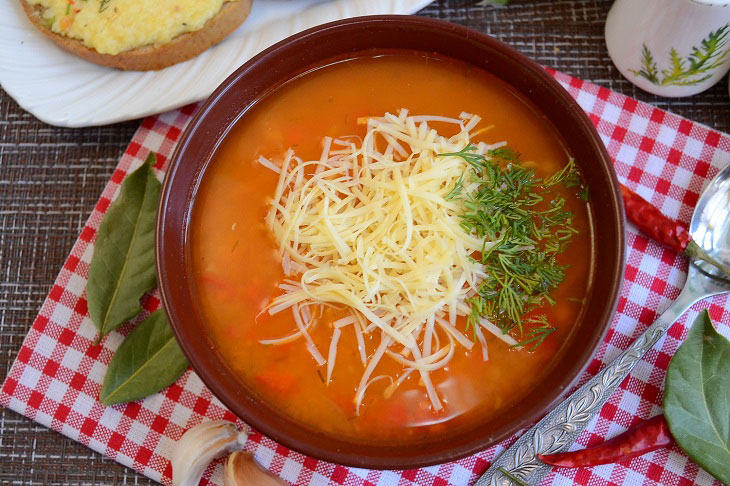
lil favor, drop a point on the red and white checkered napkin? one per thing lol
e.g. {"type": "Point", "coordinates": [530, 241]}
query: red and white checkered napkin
{"type": "Point", "coordinates": [58, 373]}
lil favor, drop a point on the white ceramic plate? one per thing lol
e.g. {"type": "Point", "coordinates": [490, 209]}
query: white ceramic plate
{"type": "Point", "coordinates": [64, 90]}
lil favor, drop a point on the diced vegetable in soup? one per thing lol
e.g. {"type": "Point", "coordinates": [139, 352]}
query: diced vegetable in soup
{"type": "Point", "coordinates": [387, 247]}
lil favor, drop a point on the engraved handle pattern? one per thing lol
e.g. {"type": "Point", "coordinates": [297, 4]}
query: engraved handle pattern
{"type": "Point", "coordinates": [559, 428]}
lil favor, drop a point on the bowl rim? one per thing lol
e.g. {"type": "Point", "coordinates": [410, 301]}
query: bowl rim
{"type": "Point", "coordinates": [240, 404]}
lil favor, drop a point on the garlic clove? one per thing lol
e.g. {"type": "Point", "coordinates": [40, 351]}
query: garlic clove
{"type": "Point", "coordinates": [242, 470]}
{"type": "Point", "coordinates": [201, 444]}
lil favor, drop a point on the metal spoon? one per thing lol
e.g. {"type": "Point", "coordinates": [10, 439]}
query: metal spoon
{"type": "Point", "coordinates": [710, 228]}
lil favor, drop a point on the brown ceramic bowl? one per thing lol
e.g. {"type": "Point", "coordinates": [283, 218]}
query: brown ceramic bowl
{"type": "Point", "coordinates": [342, 39]}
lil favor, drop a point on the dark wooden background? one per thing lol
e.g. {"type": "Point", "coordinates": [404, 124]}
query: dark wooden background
{"type": "Point", "coordinates": [50, 179]}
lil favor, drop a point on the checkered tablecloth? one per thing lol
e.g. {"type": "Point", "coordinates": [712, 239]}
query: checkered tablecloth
{"type": "Point", "coordinates": [57, 375]}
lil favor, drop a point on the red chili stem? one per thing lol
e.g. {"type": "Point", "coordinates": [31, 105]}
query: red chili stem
{"type": "Point", "coordinates": [647, 436]}
{"type": "Point", "coordinates": [695, 252]}
{"type": "Point", "coordinates": [672, 234]}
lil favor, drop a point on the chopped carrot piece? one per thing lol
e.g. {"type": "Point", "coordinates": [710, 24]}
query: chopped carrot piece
{"type": "Point", "coordinates": [278, 381]}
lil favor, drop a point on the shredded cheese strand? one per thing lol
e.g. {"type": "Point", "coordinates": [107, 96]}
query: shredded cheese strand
{"type": "Point", "coordinates": [369, 225]}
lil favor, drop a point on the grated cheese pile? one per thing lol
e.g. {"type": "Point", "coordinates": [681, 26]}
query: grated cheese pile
{"type": "Point", "coordinates": [369, 226]}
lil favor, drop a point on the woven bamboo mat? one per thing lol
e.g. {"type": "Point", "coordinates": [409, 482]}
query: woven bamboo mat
{"type": "Point", "coordinates": [50, 178]}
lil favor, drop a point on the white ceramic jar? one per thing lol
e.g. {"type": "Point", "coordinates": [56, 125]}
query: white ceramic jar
{"type": "Point", "coordinates": [670, 47]}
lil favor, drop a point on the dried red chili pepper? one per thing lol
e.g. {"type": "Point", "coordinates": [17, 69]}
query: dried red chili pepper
{"type": "Point", "coordinates": [670, 233]}
{"type": "Point", "coordinates": [647, 436]}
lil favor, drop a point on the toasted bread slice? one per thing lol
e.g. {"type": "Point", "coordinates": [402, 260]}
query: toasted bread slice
{"type": "Point", "coordinates": [154, 56]}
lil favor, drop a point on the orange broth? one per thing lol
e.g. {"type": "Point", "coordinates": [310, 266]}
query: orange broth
{"type": "Point", "coordinates": [237, 269]}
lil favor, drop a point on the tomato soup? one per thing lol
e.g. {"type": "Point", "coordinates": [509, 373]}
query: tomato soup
{"type": "Point", "coordinates": [237, 266]}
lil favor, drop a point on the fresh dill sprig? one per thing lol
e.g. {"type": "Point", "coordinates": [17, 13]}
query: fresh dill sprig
{"type": "Point", "coordinates": [103, 4]}
{"type": "Point", "coordinates": [458, 186]}
{"type": "Point", "coordinates": [568, 176]}
{"type": "Point", "coordinates": [584, 194]}
{"type": "Point", "coordinates": [504, 153]}
{"type": "Point", "coordinates": [537, 334]}
{"type": "Point", "coordinates": [470, 157]}
{"type": "Point", "coordinates": [525, 225]}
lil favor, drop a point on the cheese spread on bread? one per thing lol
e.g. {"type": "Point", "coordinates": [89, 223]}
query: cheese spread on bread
{"type": "Point", "coordinates": [114, 26]}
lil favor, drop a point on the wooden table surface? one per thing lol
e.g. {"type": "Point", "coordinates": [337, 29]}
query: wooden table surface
{"type": "Point", "coordinates": [50, 179]}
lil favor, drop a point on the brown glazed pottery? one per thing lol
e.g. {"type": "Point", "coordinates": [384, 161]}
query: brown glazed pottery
{"type": "Point", "coordinates": [344, 39]}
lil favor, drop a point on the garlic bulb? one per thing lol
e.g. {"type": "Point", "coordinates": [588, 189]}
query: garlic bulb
{"type": "Point", "coordinates": [242, 470]}
{"type": "Point", "coordinates": [199, 446]}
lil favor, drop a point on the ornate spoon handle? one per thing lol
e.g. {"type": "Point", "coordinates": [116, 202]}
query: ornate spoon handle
{"type": "Point", "coordinates": [559, 428]}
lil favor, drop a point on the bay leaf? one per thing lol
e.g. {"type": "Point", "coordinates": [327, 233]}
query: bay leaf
{"type": "Point", "coordinates": [123, 264]}
{"type": "Point", "coordinates": [697, 398]}
{"type": "Point", "coordinates": [147, 361]}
